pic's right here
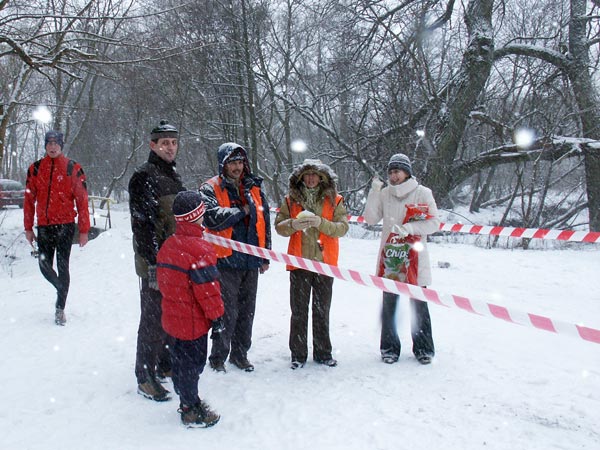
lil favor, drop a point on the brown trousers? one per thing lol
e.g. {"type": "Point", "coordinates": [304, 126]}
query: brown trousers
{"type": "Point", "coordinates": [302, 283]}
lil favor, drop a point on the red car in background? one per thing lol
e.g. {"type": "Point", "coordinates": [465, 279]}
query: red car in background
{"type": "Point", "coordinates": [11, 193]}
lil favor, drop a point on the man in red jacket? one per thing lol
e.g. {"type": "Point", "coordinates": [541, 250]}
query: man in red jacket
{"type": "Point", "coordinates": [187, 275]}
{"type": "Point", "coordinates": [54, 184]}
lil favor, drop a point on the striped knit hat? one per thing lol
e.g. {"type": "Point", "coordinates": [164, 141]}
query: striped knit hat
{"type": "Point", "coordinates": [400, 161]}
{"type": "Point", "coordinates": [188, 206]}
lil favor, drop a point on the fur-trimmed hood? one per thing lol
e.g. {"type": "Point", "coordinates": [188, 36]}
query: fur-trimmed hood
{"type": "Point", "coordinates": [327, 185]}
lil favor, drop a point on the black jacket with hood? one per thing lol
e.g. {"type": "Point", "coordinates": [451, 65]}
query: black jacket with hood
{"type": "Point", "coordinates": [218, 217]}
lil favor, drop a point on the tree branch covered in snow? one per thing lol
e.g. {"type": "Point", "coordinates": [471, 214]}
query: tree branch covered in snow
{"type": "Point", "coordinates": [547, 149]}
{"type": "Point", "coordinates": [551, 56]}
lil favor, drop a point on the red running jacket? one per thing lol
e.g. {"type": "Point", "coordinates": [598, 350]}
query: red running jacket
{"type": "Point", "coordinates": [188, 279]}
{"type": "Point", "coordinates": [55, 184]}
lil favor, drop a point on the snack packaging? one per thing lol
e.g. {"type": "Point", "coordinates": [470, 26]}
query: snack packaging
{"type": "Point", "coordinates": [399, 260]}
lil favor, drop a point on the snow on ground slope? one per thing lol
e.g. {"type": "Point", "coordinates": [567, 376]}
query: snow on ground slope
{"type": "Point", "coordinates": [492, 385]}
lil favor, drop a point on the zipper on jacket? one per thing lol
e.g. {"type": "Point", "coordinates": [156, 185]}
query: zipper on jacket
{"type": "Point", "coordinates": [49, 189]}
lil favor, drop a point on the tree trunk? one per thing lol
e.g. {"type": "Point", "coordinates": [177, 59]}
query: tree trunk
{"type": "Point", "coordinates": [470, 81]}
{"type": "Point", "coordinates": [587, 102]}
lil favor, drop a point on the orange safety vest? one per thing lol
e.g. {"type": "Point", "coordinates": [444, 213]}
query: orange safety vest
{"type": "Point", "coordinates": [330, 246]}
{"type": "Point", "coordinates": [223, 200]}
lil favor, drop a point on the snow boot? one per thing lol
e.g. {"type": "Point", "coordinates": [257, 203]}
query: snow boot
{"type": "Point", "coordinates": [153, 390]}
{"type": "Point", "coordinates": [242, 364]}
{"type": "Point", "coordinates": [296, 365]}
{"type": "Point", "coordinates": [218, 366]}
{"type": "Point", "coordinates": [163, 375]}
{"type": "Point", "coordinates": [59, 317]}
{"type": "Point", "coordinates": [330, 362]}
{"type": "Point", "coordinates": [198, 415]}
{"type": "Point", "coordinates": [389, 359]}
{"type": "Point", "coordinates": [424, 359]}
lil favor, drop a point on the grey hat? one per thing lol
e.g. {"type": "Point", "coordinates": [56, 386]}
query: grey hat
{"type": "Point", "coordinates": [400, 161]}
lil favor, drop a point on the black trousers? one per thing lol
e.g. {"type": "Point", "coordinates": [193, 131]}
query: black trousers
{"type": "Point", "coordinates": [238, 290]}
{"type": "Point", "coordinates": [420, 327]}
{"type": "Point", "coordinates": [189, 359]}
{"type": "Point", "coordinates": [56, 239]}
{"type": "Point", "coordinates": [302, 283]}
{"type": "Point", "coordinates": [152, 341]}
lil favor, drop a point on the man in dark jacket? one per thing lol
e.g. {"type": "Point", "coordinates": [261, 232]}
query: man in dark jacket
{"type": "Point", "coordinates": [54, 184]}
{"type": "Point", "coordinates": [152, 189]}
{"type": "Point", "coordinates": [237, 209]}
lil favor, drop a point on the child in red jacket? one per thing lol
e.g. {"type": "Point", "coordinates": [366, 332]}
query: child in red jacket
{"type": "Point", "coordinates": [191, 304]}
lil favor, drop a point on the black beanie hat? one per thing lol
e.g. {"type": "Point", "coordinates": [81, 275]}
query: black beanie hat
{"type": "Point", "coordinates": [188, 206]}
{"type": "Point", "coordinates": [163, 130]}
{"type": "Point", "coordinates": [400, 161]}
{"type": "Point", "coordinates": [55, 136]}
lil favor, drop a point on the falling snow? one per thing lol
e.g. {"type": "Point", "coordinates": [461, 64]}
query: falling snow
{"type": "Point", "coordinates": [492, 385]}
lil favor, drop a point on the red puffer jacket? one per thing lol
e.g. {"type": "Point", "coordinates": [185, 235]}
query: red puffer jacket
{"type": "Point", "coordinates": [55, 184]}
{"type": "Point", "coordinates": [189, 283]}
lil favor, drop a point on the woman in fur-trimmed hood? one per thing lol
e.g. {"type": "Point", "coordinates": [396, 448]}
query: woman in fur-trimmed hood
{"type": "Point", "coordinates": [326, 187]}
{"type": "Point", "coordinates": [314, 217]}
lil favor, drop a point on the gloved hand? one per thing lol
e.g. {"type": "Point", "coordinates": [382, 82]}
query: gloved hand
{"type": "Point", "coordinates": [218, 326]}
{"type": "Point", "coordinates": [400, 230]}
{"type": "Point", "coordinates": [376, 184]}
{"type": "Point", "coordinates": [301, 224]}
{"type": "Point", "coordinates": [152, 281]}
{"type": "Point", "coordinates": [248, 182]}
{"type": "Point", "coordinates": [314, 221]}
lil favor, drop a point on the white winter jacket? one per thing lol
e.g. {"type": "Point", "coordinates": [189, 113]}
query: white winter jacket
{"type": "Point", "coordinates": [389, 205]}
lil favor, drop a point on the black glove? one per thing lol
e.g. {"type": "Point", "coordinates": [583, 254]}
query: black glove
{"type": "Point", "coordinates": [248, 182]}
{"type": "Point", "coordinates": [218, 326]}
{"type": "Point", "coordinates": [152, 281]}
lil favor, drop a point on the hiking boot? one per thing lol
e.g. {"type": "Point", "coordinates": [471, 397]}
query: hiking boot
{"type": "Point", "coordinates": [59, 317]}
{"type": "Point", "coordinates": [296, 365]}
{"type": "Point", "coordinates": [198, 415]}
{"type": "Point", "coordinates": [242, 364]}
{"type": "Point", "coordinates": [162, 376]}
{"type": "Point", "coordinates": [218, 366]}
{"type": "Point", "coordinates": [329, 362]}
{"type": "Point", "coordinates": [424, 359]}
{"type": "Point", "coordinates": [153, 390]}
{"type": "Point", "coordinates": [389, 359]}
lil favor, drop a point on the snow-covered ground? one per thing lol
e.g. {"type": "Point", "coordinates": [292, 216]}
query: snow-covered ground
{"type": "Point", "coordinates": [492, 385]}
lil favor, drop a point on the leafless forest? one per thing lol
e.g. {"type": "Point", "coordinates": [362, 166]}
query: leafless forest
{"type": "Point", "coordinates": [455, 85]}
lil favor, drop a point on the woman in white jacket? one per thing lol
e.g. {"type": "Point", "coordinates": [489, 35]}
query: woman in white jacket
{"type": "Point", "coordinates": [389, 204]}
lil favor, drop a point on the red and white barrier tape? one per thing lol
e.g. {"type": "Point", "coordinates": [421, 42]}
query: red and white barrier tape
{"type": "Point", "coordinates": [532, 233]}
{"type": "Point", "coordinates": [428, 295]}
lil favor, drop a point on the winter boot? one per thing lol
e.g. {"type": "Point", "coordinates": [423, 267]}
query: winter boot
{"type": "Point", "coordinates": [389, 359]}
{"type": "Point", "coordinates": [198, 415]}
{"type": "Point", "coordinates": [296, 365]}
{"type": "Point", "coordinates": [329, 362]}
{"type": "Point", "coordinates": [218, 366]}
{"type": "Point", "coordinates": [153, 390]}
{"type": "Point", "coordinates": [242, 364]}
{"type": "Point", "coordinates": [163, 375]}
{"type": "Point", "coordinates": [424, 359]}
{"type": "Point", "coordinates": [59, 317]}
